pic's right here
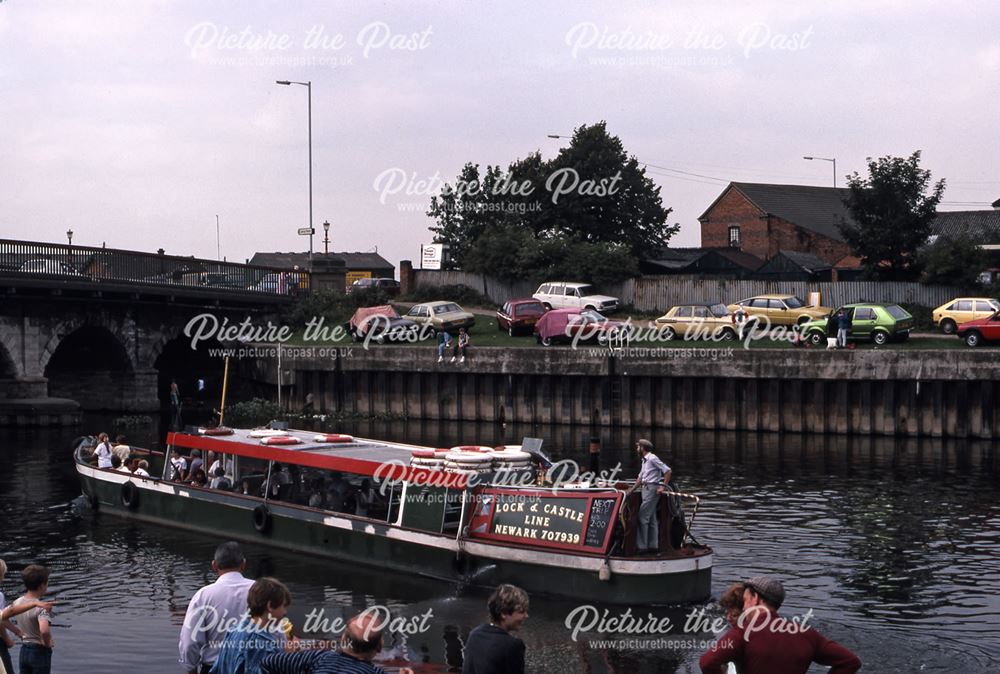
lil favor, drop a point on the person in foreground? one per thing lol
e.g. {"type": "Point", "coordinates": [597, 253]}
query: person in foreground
{"type": "Point", "coordinates": [259, 634]}
{"type": "Point", "coordinates": [360, 643]}
{"type": "Point", "coordinates": [491, 649]}
{"type": "Point", "coordinates": [213, 608]}
{"type": "Point", "coordinates": [34, 624]}
{"type": "Point", "coordinates": [761, 642]}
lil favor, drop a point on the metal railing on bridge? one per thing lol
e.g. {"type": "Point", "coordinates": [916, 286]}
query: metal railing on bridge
{"type": "Point", "coordinates": [109, 265]}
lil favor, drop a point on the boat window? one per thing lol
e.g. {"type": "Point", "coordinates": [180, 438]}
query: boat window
{"type": "Point", "coordinates": [250, 475]}
{"type": "Point", "coordinates": [452, 510]}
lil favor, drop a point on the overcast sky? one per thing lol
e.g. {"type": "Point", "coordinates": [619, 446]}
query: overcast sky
{"type": "Point", "coordinates": [136, 123]}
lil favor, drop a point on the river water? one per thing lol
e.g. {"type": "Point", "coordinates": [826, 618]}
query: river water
{"type": "Point", "coordinates": [893, 545]}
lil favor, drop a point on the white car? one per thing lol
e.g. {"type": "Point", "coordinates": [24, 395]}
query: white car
{"type": "Point", "coordinates": [47, 266]}
{"type": "Point", "coordinates": [568, 295]}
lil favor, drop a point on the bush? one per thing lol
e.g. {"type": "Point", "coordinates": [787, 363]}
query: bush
{"type": "Point", "coordinates": [336, 307]}
{"type": "Point", "coordinates": [252, 413]}
{"type": "Point", "coordinates": [462, 294]}
{"type": "Point", "coordinates": [921, 316]}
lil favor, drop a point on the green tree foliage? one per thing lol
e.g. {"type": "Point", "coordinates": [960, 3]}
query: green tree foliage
{"type": "Point", "coordinates": [956, 261]}
{"type": "Point", "coordinates": [586, 214]}
{"type": "Point", "coordinates": [892, 215]}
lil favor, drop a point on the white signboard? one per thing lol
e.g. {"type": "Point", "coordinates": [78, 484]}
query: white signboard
{"type": "Point", "coordinates": [306, 231]}
{"type": "Point", "coordinates": [431, 255]}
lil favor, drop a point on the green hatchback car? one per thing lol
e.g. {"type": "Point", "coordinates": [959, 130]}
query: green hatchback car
{"type": "Point", "coordinates": [879, 323]}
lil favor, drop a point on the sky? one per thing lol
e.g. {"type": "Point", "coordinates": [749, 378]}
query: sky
{"type": "Point", "coordinates": [136, 123]}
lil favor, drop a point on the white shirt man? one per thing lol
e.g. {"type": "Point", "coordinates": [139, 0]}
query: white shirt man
{"type": "Point", "coordinates": [214, 609]}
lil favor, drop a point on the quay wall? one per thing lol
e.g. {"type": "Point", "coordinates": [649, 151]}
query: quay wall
{"type": "Point", "coordinates": [947, 393]}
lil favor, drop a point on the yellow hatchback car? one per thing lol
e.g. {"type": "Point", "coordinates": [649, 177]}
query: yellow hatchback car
{"type": "Point", "coordinates": [960, 310]}
{"type": "Point", "coordinates": [780, 309]}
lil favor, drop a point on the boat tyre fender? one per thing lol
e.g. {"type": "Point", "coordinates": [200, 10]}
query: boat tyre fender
{"type": "Point", "coordinates": [262, 519]}
{"type": "Point", "coordinates": [130, 495]}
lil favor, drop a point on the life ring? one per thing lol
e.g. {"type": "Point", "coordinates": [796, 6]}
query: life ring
{"type": "Point", "coordinates": [333, 438]}
{"type": "Point", "coordinates": [280, 440]}
{"type": "Point", "coordinates": [472, 449]}
{"type": "Point", "coordinates": [219, 430]}
{"type": "Point", "coordinates": [262, 519]}
{"type": "Point", "coordinates": [130, 495]}
{"type": "Point", "coordinates": [267, 433]}
{"type": "Point", "coordinates": [424, 453]}
{"type": "Point", "coordinates": [469, 459]}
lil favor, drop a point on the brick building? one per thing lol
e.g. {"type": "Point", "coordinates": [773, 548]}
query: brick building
{"type": "Point", "coordinates": [763, 219]}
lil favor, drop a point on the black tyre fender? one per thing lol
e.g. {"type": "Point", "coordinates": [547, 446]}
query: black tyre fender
{"type": "Point", "coordinates": [262, 518]}
{"type": "Point", "coordinates": [130, 495]}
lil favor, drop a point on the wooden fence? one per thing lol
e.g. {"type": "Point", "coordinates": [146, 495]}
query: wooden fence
{"type": "Point", "coordinates": [658, 293]}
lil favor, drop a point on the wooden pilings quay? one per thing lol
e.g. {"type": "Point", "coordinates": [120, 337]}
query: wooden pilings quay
{"type": "Point", "coordinates": [947, 393]}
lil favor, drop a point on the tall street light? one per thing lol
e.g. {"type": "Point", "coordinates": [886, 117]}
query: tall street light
{"type": "Point", "coordinates": [827, 159]}
{"type": "Point", "coordinates": [308, 86]}
{"type": "Point", "coordinates": [326, 237]}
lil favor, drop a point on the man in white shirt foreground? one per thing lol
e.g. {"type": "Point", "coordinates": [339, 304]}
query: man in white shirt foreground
{"type": "Point", "coordinates": [213, 609]}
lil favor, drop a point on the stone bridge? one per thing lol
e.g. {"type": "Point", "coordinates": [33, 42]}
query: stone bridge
{"type": "Point", "coordinates": [108, 343]}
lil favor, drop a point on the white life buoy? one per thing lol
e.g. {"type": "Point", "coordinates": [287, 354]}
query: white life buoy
{"type": "Point", "coordinates": [266, 433]}
{"type": "Point", "coordinates": [280, 440]}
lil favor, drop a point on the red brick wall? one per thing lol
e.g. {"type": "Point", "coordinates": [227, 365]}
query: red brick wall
{"type": "Point", "coordinates": [757, 237]}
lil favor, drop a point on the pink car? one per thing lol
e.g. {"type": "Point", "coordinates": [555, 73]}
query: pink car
{"type": "Point", "coordinates": [563, 325]}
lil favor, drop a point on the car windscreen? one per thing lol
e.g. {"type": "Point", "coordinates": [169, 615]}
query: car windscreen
{"type": "Point", "coordinates": [593, 316]}
{"type": "Point", "coordinates": [897, 311]}
{"type": "Point", "coordinates": [794, 302]}
{"type": "Point", "coordinates": [447, 308]}
{"type": "Point", "coordinates": [719, 310]}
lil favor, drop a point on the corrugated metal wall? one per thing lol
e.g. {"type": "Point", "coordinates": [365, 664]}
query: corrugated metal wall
{"type": "Point", "coordinates": [658, 293]}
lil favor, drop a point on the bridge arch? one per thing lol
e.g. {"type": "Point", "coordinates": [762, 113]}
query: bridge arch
{"type": "Point", "coordinates": [90, 364]}
{"type": "Point", "coordinates": [175, 360]}
{"type": "Point", "coordinates": [8, 369]}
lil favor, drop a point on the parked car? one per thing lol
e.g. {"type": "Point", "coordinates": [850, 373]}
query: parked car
{"type": "Point", "coordinates": [382, 324]}
{"type": "Point", "coordinates": [563, 325]}
{"type": "Point", "coordinates": [706, 318]}
{"type": "Point", "coordinates": [519, 315]}
{"type": "Point", "coordinates": [878, 322]}
{"type": "Point", "coordinates": [441, 316]}
{"type": "Point", "coordinates": [280, 283]}
{"type": "Point", "coordinates": [981, 330]}
{"type": "Point", "coordinates": [567, 295]}
{"type": "Point", "coordinates": [389, 285]}
{"type": "Point", "coordinates": [47, 266]}
{"type": "Point", "coordinates": [961, 310]}
{"type": "Point", "coordinates": [779, 309]}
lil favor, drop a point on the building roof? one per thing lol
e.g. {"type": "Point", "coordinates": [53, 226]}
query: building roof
{"type": "Point", "coordinates": [983, 227]}
{"type": "Point", "coordinates": [809, 262]}
{"type": "Point", "coordinates": [683, 258]}
{"type": "Point", "coordinates": [818, 209]}
{"type": "Point", "coordinates": [372, 261]}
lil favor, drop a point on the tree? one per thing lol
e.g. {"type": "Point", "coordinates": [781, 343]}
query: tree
{"type": "Point", "coordinates": [591, 210]}
{"type": "Point", "coordinates": [954, 261]}
{"type": "Point", "coordinates": [892, 216]}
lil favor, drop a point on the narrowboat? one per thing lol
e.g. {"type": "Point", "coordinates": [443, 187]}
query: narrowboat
{"type": "Point", "coordinates": [474, 515]}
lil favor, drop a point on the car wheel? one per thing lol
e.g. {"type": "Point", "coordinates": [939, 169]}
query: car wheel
{"type": "Point", "coordinates": [548, 307]}
{"type": "Point", "coordinates": [728, 334]}
{"type": "Point", "coordinates": [669, 334]}
{"type": "Point", "coordinates": [380, 339]}
{"type": "Point", "coordinates": [973, 338]}
{"type": "Point", "coordinates": [545, 341]}
{"type": "Point", "coordinates": [880, 337]}
{"type": "Point", "coordinates": [948, 326]}
{"type": "Point", "coordinates": [590, 307]}
{"type": "Point", "coordinates": [510, 331]}
{"type": "Point", "coordinates": [816, 338]}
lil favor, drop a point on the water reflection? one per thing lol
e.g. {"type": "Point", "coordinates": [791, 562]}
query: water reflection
{"type": "Point", "coordinates": [894, 544]}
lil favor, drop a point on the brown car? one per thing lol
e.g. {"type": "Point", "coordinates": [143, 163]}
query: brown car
{"type": "Point", "coordinates": [519, 316]}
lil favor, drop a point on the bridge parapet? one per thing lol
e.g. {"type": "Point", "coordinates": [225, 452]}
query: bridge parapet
{"type": "Point", "coordinates": [69, 264]}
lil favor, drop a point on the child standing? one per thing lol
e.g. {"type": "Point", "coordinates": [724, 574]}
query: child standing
{"type": "Point", "coordinates": [36, 637]}
{"type": "Point", "coordinates": [257, 635]}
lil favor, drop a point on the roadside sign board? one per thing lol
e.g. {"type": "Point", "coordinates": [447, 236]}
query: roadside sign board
{"type": "Point", "coordinates": [306, 231]}
{"type": "Point", "coordinates": [431, 255]}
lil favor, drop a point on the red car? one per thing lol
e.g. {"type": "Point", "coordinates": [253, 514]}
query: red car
{"type": "Point", "coordinates": [519, 315]}
{"type": "Point", "coordinates": [563, 325]}
{"type": "Point", "coordinates": [980, 330]}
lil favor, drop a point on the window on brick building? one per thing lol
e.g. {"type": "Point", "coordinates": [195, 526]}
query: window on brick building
{"type": "Point", "coordinates": [734, 236]}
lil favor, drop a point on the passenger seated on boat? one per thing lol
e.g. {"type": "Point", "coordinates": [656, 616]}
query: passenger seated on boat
{"type": "Point", "coordinates": [363, 499]}
{"type": "Point", "coordinates": [336, 492]}
{"type": "Point", "coordinates": [124, 465]}
{"type": "Point", "coordinates": [196, 464]}
{"type": "Point", "coordinates": [220, 481]}
{"type": "Point", "coordinates": [142, 470]}
{"type": "Point", "coordinates": [199, 479]}
{"type": "Point", "coordinates": [120, 449]}
{"type": "Point", "coordinates": [280, 483]}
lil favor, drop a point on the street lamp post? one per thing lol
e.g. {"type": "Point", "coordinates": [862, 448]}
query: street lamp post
{"type": "Point", "coordinates": [69, 249]}
{"type": "Point", "coordinates": [832, 159]}
{"type": "Point", "coordinates": [308, 86]}
{"type": "Point", "coordinates": [326, 237]}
